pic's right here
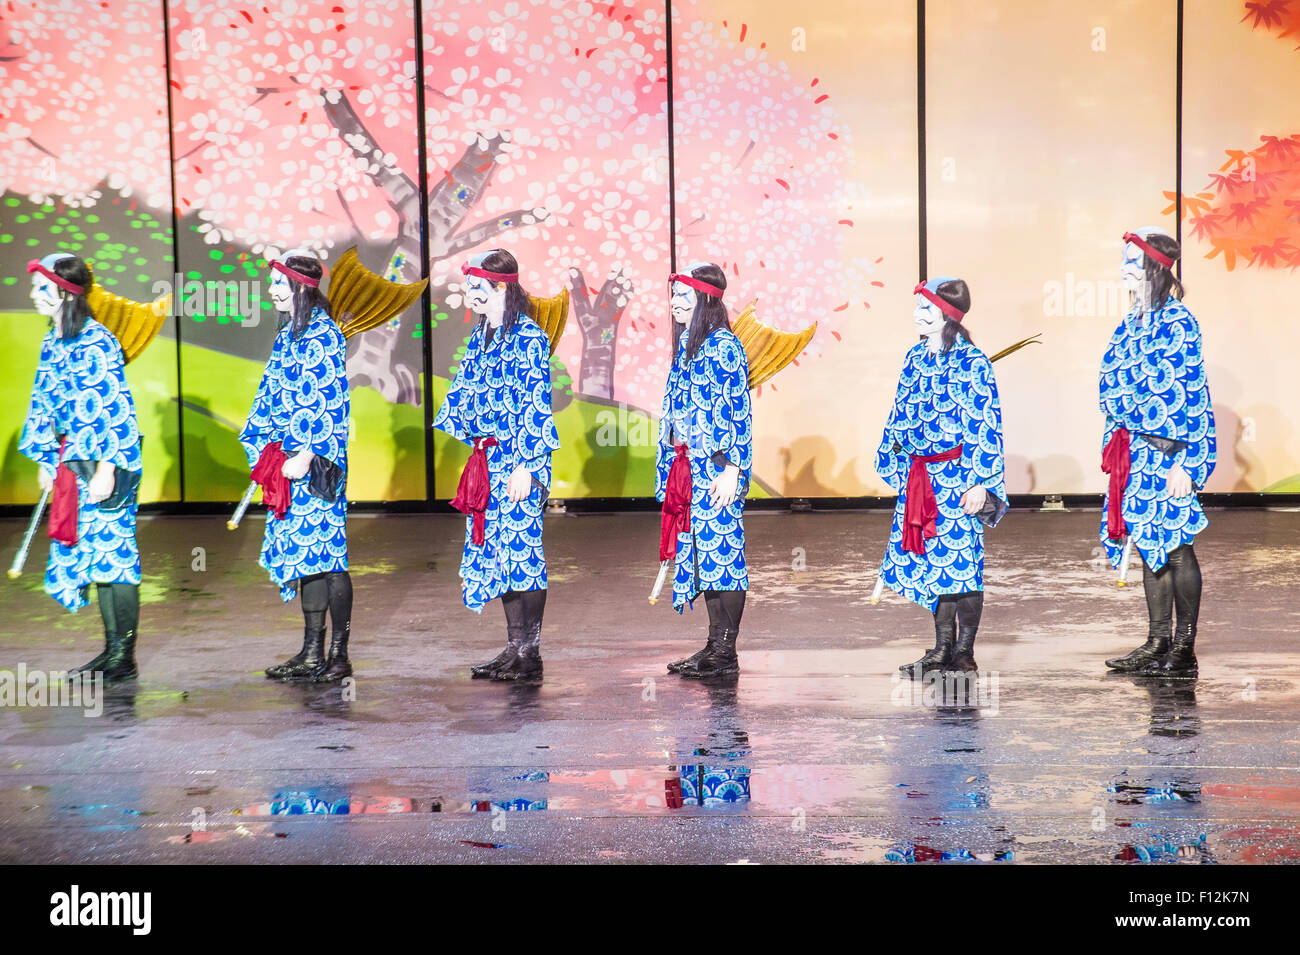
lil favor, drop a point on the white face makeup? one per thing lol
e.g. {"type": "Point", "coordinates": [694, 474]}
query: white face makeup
{"type": "Point", "coordinates": [484, 299]}
{"type": "Point", "coordinates": [927, 317]}
{"type": "Point", "coordinates": [683, 302]}
{"type": "Point", "coordinates": [281, 291]}
{"type": "Point", "coordinates": [1132, 272]}
{"type": "Point", "coordinates": [45, 295]}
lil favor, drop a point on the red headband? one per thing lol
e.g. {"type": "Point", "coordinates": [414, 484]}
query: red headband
{"type": "Point", "coordinates": [490, 276]}
{"type": "Point", "coordinates": [35, 266]}
{"type": "Point", "coordinates": [949, 309]}
{"type": "Point", "coordinates": [697, 284]}
{"type": "Point", "coordinates": [1150, 250]}
{"type": "Point", "coordinates": [297, 276]}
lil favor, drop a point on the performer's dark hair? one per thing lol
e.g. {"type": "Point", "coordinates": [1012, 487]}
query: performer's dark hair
{"type": "Point", "coordinates": [305, 298]}
{"type": "Point", "coordinates": [76, 310]}
{"type": "Point", "coordinates": [956, 293]}
{"type": "Point", "coordinates": [517, 300]}
{"type": "Point", "coordinates": [1160, 279]}
{"type": "Point", "coordinates": [710, 314]}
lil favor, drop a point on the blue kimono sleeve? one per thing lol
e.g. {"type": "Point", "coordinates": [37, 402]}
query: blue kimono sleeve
{"type": "Point", "coordinates": [258, 431]}
{"type": "Point", "coordinates": [316, 389]}
{"type": "Point", "coordinates": [981, 455]}
{"type": "Point", "coordinates": [104, 426]}
{"type": "Point", "coordinates": [730, 414]}
{"type": "Point", "coordinates": [890, 464]}
{"type": "Point", "coordinates": [38, 440]}
{"type": "Point", "coordinates": [664, 451]}
{"type": "Point", "coordinates": [1118, 403]}
{"type": "Point", "coordinates": [1199, 454]}
{"type": "Point", "coordinates": [533, 427]}
{"type": "Point", "coordinates": [448, 419]}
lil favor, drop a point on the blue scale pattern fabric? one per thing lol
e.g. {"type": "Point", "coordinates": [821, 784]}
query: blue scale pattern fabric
{"type": "Point", "coordinates": [942, 400]}
{"type": "Point", "coordinates": [502, 389]}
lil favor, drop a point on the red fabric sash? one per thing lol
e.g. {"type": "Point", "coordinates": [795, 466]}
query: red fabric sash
{"type": "Point", "coordinates": [474, 490]}
{"type": "Point", "coordinates": [275, 486]}
{"type": "Point", "coordinates": [675, 517]}
{"type": "Point", "coordinates": [921, 510]}
{"type": "Point", "coordinates": [63, 502]}
{"type": "Point", "coordinates": [1115, 461]}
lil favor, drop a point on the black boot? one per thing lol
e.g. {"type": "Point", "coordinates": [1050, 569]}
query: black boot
{"type": "Point", "coordinates": [514, 637]}
{"type": "Point", "coordinates": [337, 666]}
{"type": "Point", "coordinates": [1157, 646]}
{"type": "Point", "coordinates": [526, 663]}
{"type": "Point", "coordinates": [306, 662]}
{"type": "Point", "coordinates": [120, 663]}
{"type": "Point", "coordinates": [719, 657]}
{"type": "Point", "coordinates": [963, 653]}
{"type": "Point", "coordinates": [98, 662]}
{"type": "Point", "coordinates": [1180, 661]}
{"type": "Point", "coordinates": [693, 661]}
{"type": "Point", "coordinates": [944, 636]}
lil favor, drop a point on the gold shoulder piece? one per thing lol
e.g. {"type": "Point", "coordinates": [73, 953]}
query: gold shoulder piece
{"type": "Point", "coordinates": [551, 314]}
{"type": "Point", "coordinates": [362, 300]}
{"type": "Point", "coordinates": [767, 349]}
{"type": "Point", "coordinates": [133, 324]}
{"type": "Point", "coordinates": [1031, 340]}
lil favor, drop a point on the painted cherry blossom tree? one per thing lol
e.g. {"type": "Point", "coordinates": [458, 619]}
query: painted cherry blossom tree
{"type": "Point", "coordinates": [569, 101]}
{"type": "Point", "coordinates": [581, 88]}
{"type": "Point", "coordinates": [545, 129]}
{"type": "Point", "coordinates": [74, 125]}
{"type": "Point", "coordinates": [763, 181]}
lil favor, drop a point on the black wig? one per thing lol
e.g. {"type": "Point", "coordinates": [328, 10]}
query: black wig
{"type": "Point", "coordinates": [1160, 279]}
{"type": "Point", "coordinates": [305, 298]}
{"type": "Point", "coordinates": [710, 314]}
{"type": "Point", "coordinates": [75, 308]}
{"type": "Point", "coordinates": [956, 293]}
{"type": "Point", "coordinates": [517, 300]}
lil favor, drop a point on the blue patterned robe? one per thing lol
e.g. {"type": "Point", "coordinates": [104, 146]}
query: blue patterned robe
{"type": "Point", "coordinates": [1153, 382]}
{"type": "Point", "coordinates": [503, 390]}
{"type": "Point", "coordinates": [303, 402]}
{"type": "Point", "coordinates": [942, 401]}
{"type": "Point", "coordinates": [81, 392]}
{"type": "Point", "coordinates": [707, 406]}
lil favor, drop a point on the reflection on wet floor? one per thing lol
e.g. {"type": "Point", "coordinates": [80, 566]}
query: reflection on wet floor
{"type": "Point", "coordinates": [819, 752]}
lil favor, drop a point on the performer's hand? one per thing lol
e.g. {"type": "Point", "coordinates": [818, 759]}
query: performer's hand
{"type": "Point", "coordinates": [520, 484]}
{"type": "Point", "coordinates": [45, 479]}
{"type": "Point", "coordinates": [1179, 482]}
{"type": "Point", "coordinates": [722, 492]}
{"type": "Point", "coordinates": [972, 501]}
{"type": "Point", "coordinates": [298, 465]}
{"type": "Point", "coordinates": [101, 485]}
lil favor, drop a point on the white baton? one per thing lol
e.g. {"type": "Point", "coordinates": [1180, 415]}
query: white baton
{"type": "Point", "coordinates": [1123, 562]}
{"type": "Point", "coordinates": [243, 506]}
{"type": "Point", "coordinates": [16, 568]}
{"type": "Point", "coordinates": [659, 581]}
{"type": "Point", "coordinates": [879, 590]}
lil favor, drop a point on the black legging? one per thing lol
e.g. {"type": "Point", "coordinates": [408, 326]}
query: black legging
{"type": "Point", "coordinates": [523, 606]}
{"type": "Point", "coordinates": [332, 591]}
{"type": "Point", "coordinates": [119, 605]}
{"type": "Point", "coordinates": [1176, 584]}
{"type": "Point", "coordinates": [725, 608]}
{"type": "Point", "coordinates": [960, 608]}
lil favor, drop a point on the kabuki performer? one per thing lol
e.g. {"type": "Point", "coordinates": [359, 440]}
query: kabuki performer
{"type": "Point", "coordinates": [705, 455]}
{"type": "Point", "coordinates": [500, 405]}
{"type": "Point", "coordinates": [296, 438]}
{"type": "Point", "coordinates": [1159, 450]}
{"type": "Point", "coordinates": [81, 429]}
{"type": "Point", "coordinates": [942, 452]}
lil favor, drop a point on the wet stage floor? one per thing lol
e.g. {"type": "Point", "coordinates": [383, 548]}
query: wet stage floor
{"type": "Point", "coordinates": [818, 753]}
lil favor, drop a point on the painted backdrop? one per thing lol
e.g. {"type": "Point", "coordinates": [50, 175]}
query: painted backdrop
{"type": "Point", "coordinates": [602, 141]}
